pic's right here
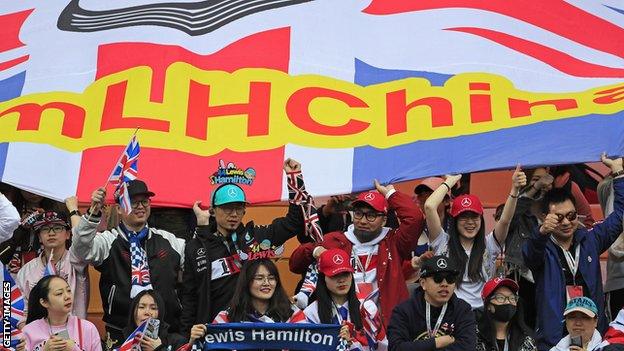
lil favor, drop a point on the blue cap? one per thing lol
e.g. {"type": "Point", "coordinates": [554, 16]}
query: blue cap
{"type": "Point", "coordinates": [226, 194]}
{"type": "Point", "coordinates": [581, 304]}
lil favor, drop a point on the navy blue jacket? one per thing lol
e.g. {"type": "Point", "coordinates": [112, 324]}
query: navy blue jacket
{"type": "Point", "coordinates": [540, 255]}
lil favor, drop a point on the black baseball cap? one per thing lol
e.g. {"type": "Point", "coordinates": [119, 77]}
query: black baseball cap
{"type": "Point", "coordinates": [438, 264]}
{"type": "Point", "coordinates": [138, 187]}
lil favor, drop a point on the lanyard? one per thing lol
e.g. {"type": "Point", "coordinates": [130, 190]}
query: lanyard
{"type": "Point", "coordinates": [571, 260]}
{"type": "Point", "coordinates": [337, 312]}
{"type": "Point", "coordinates": [359, 263]}
{"type": "Point", "coordinates": [434, 332]}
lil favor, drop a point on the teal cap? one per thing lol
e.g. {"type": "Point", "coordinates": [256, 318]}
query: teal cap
{"type": "Point", "coordinates": [226, 194]}
{"type": "Point", "coordinates": [581, 304]}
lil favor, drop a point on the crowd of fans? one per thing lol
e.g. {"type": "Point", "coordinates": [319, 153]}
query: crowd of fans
{"type": "Point", "coordinates": [423, 268]}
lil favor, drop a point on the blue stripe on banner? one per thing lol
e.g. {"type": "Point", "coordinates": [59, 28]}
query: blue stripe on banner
{"type": "Point", "coordinates": [366, 74]}
{"type": "Point", "coordinates": [493, 150]}
{"type": "Point", "coordinates": [293, 336]}
{"type": "Point", "coordinates": [10, 88]}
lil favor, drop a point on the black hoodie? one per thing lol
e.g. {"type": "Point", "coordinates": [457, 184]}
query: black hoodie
{"type": "Point", "coordinates": [408, 329]}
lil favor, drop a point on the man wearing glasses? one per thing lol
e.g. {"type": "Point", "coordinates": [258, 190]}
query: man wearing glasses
{"type": "Point", "coordinates": [565, 257]}
{"type": "Point", "coordinates": [434, 318]}
{"type": "Point", "coordinates": [377, 252]}
{"type": "Point", "coordinates": [53, 232]}
{"type": "Point", "coordinates": [222, 243]}
{"type": "Point", "coordinates": [131, 257]}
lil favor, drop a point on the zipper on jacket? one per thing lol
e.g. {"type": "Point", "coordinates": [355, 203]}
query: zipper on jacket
{"type": "Point", "coordinates": [111, 296]}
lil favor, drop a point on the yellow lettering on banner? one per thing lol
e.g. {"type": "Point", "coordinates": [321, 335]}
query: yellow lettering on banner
{"type": "Point", "coordinates": [205, 112]}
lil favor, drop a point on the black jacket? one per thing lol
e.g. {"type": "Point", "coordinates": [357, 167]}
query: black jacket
{"type": "Point", "coordinates": [408, 329]}
{"type": "Point", "coordinates": [109, 252]}
{"type": "Point", "coordinates": [204, 296]}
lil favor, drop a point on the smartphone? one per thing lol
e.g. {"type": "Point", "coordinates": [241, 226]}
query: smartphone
{"type": "Point", "coordinates": [152, 328]}
{"type": "Point", "coordinates": [576, 341]}
{"type": "Point", "coordinates": [63, 334]}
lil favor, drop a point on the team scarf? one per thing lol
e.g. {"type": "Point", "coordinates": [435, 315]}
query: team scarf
{"type": "Point", "coordinates": [140, 278]}
{"type": "Point", "coordinates": [299, 196]}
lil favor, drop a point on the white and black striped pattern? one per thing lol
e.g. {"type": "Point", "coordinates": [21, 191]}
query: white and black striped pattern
{"type": "Point", "coordinates": [195, 18]}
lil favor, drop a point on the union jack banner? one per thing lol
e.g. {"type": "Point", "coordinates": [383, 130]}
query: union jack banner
{"type": "Point", "coordinates": [123, 198]}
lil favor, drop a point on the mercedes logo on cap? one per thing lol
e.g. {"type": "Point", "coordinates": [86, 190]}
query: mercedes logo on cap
{"type": "Point", "coordinates": [369, 196]}
{"type": "Point", "coordinates": [337, 259]}
{"type": "Point", "coordinates": [232, 192]}
{"type": "Point", "coordinates": [465, 202]}
{"type": "Point", "coordinates": [441, 263]}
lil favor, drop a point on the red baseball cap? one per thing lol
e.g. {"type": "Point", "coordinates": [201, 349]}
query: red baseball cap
{"type": "Point", "coordinates": [334, 261]}
{"type": "Point", "coordinates": [431, 184]}
{"type": "Point", "coordinates": [464, 203]}
{"type": "Point", "coordinates": [493, 284]}
{"type": "Point", "coordinates": [373, 199]}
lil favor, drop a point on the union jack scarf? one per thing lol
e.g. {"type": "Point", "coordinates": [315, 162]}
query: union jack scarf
{"type": "Point", "coordinates": [372, 322]}
{"type": "Point", "coordinates": [140, 278]}
{"type": "Point", "coordinates": [299, 196]}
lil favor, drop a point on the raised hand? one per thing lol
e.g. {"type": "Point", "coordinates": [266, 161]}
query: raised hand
{"type": "Point", "coordinates": [451, 180]}
{"type": "Point", "coordinates": [518, 179]}
{"type": "Point", "coordinates": [291, 165]}
{"type": "Point", "coordinates": [203, 216]}
{"type": "Point", "coordinates": [71, 203]}
{"type": "Point", "coordinates": [550, 223]}
{"type": "Point", "coordinates": [614, 164]}
{"type": "Point", "coordinates": [383, 189]}
{"type": "Point", "coordinates": [97, 200]}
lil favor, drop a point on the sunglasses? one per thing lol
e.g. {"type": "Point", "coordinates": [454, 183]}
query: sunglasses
{"type": "Point", "coordinates": [570, 216]}
{"type": "Point", "coordinates": [451, 278]}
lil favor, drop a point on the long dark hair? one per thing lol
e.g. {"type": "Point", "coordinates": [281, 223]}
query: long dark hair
{"type": "Point", "coordinates": [240, 307]}
{"type": "Point", "coordinates": [517, 329]}
{"type": "Point", "coordinates": [134, 305]}
{"type": "Point", "coordinates": [38, 292]}
{"type": "Point", "coordinates": [458, 254]}
{"type": "Point", "coordinates": [325, 303]}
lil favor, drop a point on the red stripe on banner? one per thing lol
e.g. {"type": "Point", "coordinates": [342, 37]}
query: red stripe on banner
{"type": "Point", "coordinates": [14, 62]}
{"type": "Point", "coordinates": [11, 25]}
{"type": "Point", "coordinates": [557, 17]}
{"type": "Point", "coordinates": [557, 59]}
{"type": "Point", "coordinates": [269, 49]}
{"type": "Point", "coordinates": [179, 178]}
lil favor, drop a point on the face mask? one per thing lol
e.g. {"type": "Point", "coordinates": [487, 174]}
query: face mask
{"type": "Point", "coordinates": [503, 313]}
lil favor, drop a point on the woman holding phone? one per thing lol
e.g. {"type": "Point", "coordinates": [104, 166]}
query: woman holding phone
{"type": "Point", "coordinates": [149, 304]}
{"type": "Point", "coordinates": [50, 327]}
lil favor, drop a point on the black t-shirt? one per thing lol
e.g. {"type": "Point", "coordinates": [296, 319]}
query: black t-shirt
{"type": "Point", "coordinates": [501, 344]}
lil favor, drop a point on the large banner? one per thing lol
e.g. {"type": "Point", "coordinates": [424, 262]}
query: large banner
{"type": "Point", "coordinates": [225, 90]}
{"type": "Point", "coordinates": [285, 336]}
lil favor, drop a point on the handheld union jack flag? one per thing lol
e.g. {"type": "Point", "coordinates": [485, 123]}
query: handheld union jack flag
{"type": "Point", "coordinates": [133, 342]}
{"type": "Point", "coordinates": [17, 300]}
{"type": "Point", "coordinates": [371, 320]}
{"type": "Point", "coordinates": [126, 168]}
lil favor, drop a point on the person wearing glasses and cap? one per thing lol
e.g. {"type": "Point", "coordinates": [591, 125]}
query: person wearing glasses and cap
{"type": "Point", "coordinates": [433, 318]}
{"type": "Point", "coordinates": [53, 232]}
{"type": "Point", "coordinates": [222, 243]}
{"type": "Point", "coordinates": [377, 251]}
{"type": "Point", "coordinates": [130, 258]}
{"type": "Point", "coordinates": [502, 326]}
{"type": "Point", "coordinates": [564, 257]}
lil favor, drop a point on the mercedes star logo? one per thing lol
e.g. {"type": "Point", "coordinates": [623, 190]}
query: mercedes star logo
{"type": "Point", "coordinates": [369, 196]}
{"type": "Point", "coordinates": [441, 263]}
{"type": "Point", "coordinates": [465, 202]}
{"type": "Point", "coordinates": [337, 259]}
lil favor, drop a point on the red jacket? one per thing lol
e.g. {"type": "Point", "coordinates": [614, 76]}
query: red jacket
{"type": "Point", "coordinates": [393, 249]}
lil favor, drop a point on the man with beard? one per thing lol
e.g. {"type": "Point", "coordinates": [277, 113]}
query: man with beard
{"type": "Point", "coordinates": [376, 251]}
{"type": "Point", "coordinates": [434, 318]}
{"type": "Point", "coordinates": [565, 257]}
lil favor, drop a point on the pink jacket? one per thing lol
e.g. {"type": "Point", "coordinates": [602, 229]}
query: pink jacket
{"type": "Point", "coordinates": [38, 332]}
{"type": "Point", "coordinates": [72, 269]}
